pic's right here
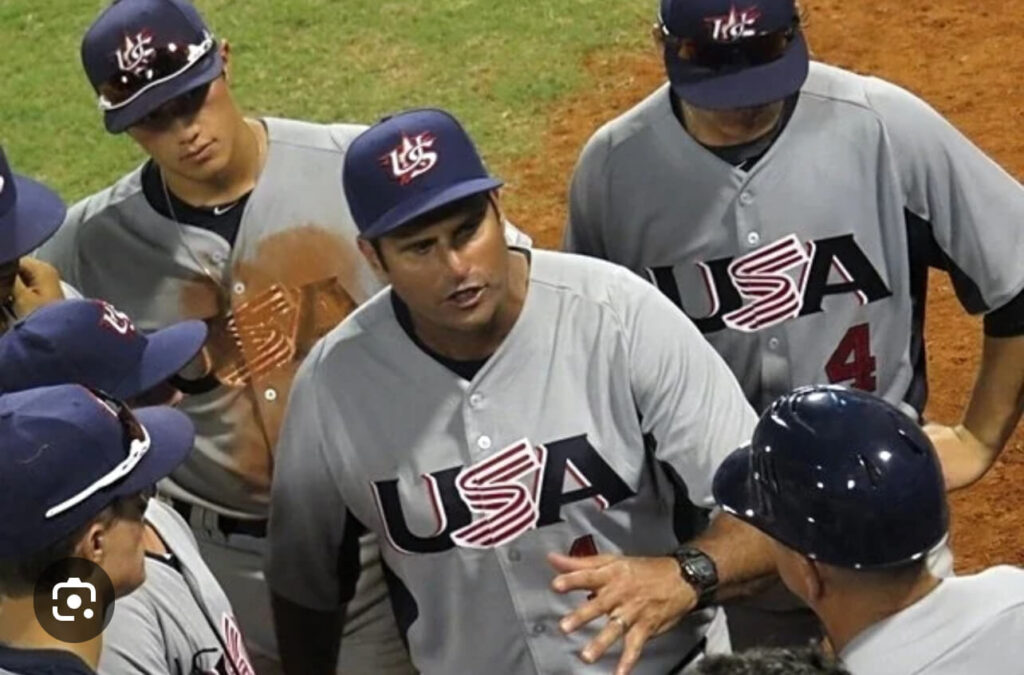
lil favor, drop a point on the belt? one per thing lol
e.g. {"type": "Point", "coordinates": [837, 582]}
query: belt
{"type": "Point", "coordinates": [226, 524]}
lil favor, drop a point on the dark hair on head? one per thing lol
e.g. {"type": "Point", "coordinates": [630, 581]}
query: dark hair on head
{"type": "Point", "coordinates": [781, 661]}
{"type": "Point", "coordinates": [18, 576]}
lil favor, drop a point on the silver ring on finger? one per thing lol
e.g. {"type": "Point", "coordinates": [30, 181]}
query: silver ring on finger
{"type": "Point", "coordinates": [620, 622]}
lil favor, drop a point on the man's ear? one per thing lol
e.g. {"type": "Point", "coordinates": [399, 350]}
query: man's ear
{"type": "Point", "coordinates": [92, 545]}
{"type": "Point", "coordinates": [225, 56]}
{"type": "Point", "coordinates": [369, 252]}
{"type": "Point", "coordinates": [657, 37]}
{"type": "Point", "coordinates": [812, 579]}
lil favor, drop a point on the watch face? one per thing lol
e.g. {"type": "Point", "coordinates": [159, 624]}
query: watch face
{"type": "Point", "coordinates": [702, 568]}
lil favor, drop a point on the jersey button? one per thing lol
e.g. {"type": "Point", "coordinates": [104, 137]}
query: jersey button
{"type": "Point", "coordinates": [746, 199]}
{"type": "Point", "coordinates": [539, 629]}
{"type": "Point", "coordinates": [218, 258]}
{"type": "Point", "coordinates": [484, 443]}
{"type": "Point", "coordinates": [753, 239]}
{"type": "Point", "coordinates": [773, 343]}
{"type": "Point", "coordinates": [475, 400]}
{"type": "Point", "coordinates": [270, 395]}
{"type": "Point", "coordinates": [238, 288]}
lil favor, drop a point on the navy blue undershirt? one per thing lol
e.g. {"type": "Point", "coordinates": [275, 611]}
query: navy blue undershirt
{"type": "Point", "coordinates": [222, 219]}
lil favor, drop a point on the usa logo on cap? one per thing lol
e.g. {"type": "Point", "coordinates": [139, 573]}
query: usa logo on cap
{"type": "Point", "coordinates": [735, 25]}
{"type": "Point", "coordinates": [412, 158]}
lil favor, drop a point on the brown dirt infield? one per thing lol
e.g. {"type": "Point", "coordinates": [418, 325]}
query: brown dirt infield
{"type": "Point", "coordinates": [960, 57]}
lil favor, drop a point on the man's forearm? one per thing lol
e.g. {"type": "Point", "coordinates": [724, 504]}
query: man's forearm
{"type": "Point", "coordinates": [308, 640]}
{"type": "Point", "coordinates": [741, 553]}
{"type": "Point", "coordinates": [998, 397]}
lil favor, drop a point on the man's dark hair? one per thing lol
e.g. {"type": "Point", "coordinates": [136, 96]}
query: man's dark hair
{"type": "Point", "coordinates": [470, 208]}
{"type": "Point", "coordinates": [781, 661]}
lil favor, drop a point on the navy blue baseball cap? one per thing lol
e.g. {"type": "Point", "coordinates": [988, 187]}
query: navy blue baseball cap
{"type": "Point", "coordinates": [723, 54]}
{"type": "Point", "coordinates": [842, 477]}
{"type": "Point", "coordinates": [139, 54]}
{"type": "Point", "coordinates": [69, 452]}
{"type": "Point", "coordinates": [408, 165]}
{"type": "Point", "coordinates": [91, 343]}
{"type": "Point", "coordinates": [30, 213]}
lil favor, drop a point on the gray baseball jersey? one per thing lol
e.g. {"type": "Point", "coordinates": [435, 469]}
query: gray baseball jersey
{"type": "Point", "coordinates": [967, 625]}
{"type": "Point", "coordinates": [291, 275]}
{"type": "Point", "coordinates": [811, 267]}
{"type": "Point", "coordinates": [602, 398]}
{"type": "Point", "coordinates": [179, 622]}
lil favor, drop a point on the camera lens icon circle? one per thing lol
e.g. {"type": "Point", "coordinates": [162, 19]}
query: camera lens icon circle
{"type": "Point", "coordinates": [74, 600]}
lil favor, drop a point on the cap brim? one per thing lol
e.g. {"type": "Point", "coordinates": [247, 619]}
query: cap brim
{"type": "Point", "coordinates": [744, 88]}
{"type": "Point", "coordinates": [37, 214]}
{"type": "Point", "coordinates": [167, 352]}
{"type": "Point", "coordinates": [426, 202]}
{"type": "Point", "coordinates": [171, 436]}
{"type": "Point", "coordinates": [204, 70]}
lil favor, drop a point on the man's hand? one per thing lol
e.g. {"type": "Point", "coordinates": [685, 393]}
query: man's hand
{"type": "Point", "coordinates": [37, 284]}
{"type": "Point", "coordinates": [642, 597]}
{"type": "Point", "coordinates": [964, 458]}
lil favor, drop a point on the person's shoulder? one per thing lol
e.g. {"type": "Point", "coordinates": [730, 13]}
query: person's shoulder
{"type": "Point", "coordinates": [312, 136]}
{"type": "Point", "coordinates": [94, 206]}
{"type": "Point", "coordinates": [1002, 581]}
{"type": "Point", "coordinates": [880, 97]}
{"type": "Point", "coordinates": [633, 123]}
{"type": "Point", "coordinates": [169, 524]}
{"type": "Point", "coordinates": [590, 279]}
{"type": "Point", "coordinates": [359, 333]}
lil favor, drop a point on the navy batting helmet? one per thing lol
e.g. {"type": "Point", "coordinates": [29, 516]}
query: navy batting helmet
{"type": "Point", "coordinates": [840, 476]}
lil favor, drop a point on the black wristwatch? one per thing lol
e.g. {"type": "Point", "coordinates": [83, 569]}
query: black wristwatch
{"type": "Point", "coordinates": [698, 569]}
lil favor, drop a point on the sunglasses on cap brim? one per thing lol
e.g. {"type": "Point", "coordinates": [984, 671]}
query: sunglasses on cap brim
{"type": "Point", "coordinates": [708, 53]}
{"type": "Point", "coordinates": [136, 444]}
{"type": "Point", "coordinates": [162, 65]}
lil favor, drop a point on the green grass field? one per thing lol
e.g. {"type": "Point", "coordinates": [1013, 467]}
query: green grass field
{"type": "Point", "coordinates": [497, 64]}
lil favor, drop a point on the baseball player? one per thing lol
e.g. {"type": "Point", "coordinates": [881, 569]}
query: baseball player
{"type": "Point", "coordinates": [29, 215]}
{"type": "Point", "coordinates": [792, 210]}
{"type": "Point", "coordinates": [496, 413]}
{"type": "Point", "coordinates": [239, 222]}
{"type": "Point", "coordinates": [179, 621]}
{"type": "Point", "coordinates": [851, 492]}
{"type": "Point", "coordinates": [76, 469]}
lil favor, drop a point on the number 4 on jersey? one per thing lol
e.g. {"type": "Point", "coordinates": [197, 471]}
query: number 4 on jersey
{"type": "Point", "coordinates": [852, 362]}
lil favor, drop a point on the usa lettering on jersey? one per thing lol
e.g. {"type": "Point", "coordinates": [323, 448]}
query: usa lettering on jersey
{"type": "Point", "coordinates": [758, 290]}
{"type": "Point", "coordinates": [497, 500]}
{"type": "Point", "coordinates": [236, 646]}
{"type": "Point", "coordinates": [492, 488]}
{"type": "Point", "coordinates": [735, 25]}
{"type": "Point", "coordinates": [412, 158]}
